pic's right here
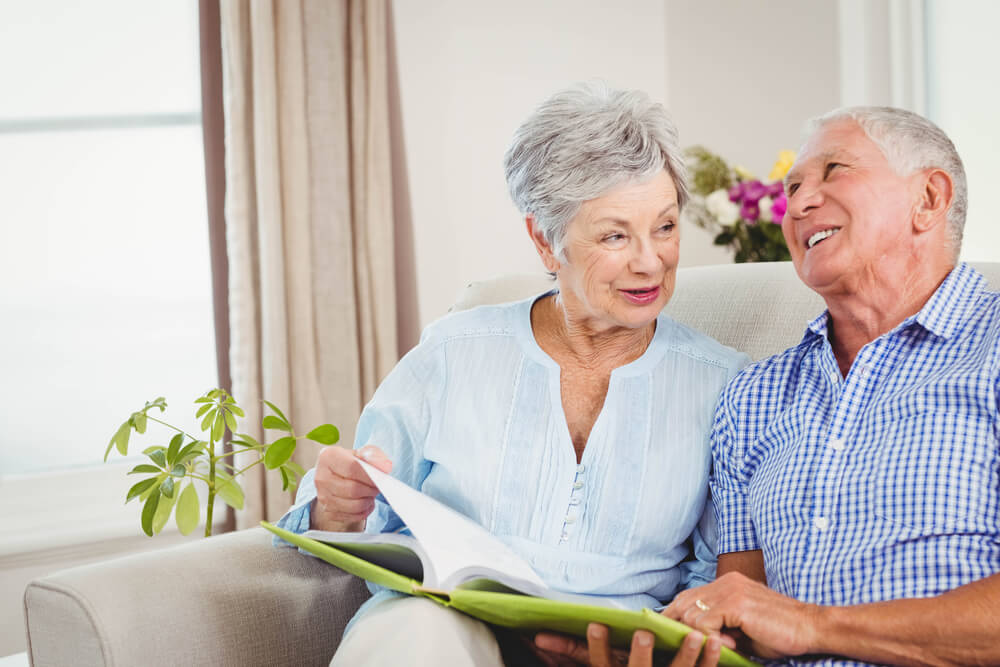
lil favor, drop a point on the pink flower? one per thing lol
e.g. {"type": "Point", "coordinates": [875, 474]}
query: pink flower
{"type": "Point", "coordinates": [779, 207]}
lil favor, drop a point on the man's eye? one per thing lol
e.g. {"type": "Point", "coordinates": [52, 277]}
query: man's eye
{"type": "Point", "coordinates": [830, 167]}
{"type": "Point", "coordinates": [791, 188]}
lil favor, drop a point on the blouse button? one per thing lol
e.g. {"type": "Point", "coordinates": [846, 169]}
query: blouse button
{"type": "Point", "coordinates": [577, 485]}
{"type": "Point", "coordinates": [580, 468]}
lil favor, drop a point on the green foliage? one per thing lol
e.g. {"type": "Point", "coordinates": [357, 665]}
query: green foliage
{"type": "Point", "coordinates": [174, 468]}
{"type": "Point", "coordinates": [709, 172]}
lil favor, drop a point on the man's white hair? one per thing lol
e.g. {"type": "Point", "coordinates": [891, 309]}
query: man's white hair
{"type": "Point", "coordinates": [910, 142]}
{"type": "Point", "coordinates": [580, 144]}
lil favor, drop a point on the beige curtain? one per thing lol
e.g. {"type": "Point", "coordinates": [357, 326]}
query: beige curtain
{"type": "Point", "coordinates": [309, 214]}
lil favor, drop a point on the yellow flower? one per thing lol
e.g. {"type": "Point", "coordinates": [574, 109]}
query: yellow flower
{"type": "Point", "coordinates": [781, 167]}
{"type": "Point", "coordinates": [744, 173]}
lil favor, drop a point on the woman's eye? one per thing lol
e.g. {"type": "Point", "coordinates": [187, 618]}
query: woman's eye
{"type": "Point", "coordinates": [668, 227]}
{"type": "Point", "coordinates": [613, 238]}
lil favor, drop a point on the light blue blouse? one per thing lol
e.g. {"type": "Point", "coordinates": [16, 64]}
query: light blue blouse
{"type": "Point", "coordinates": [473, 417]}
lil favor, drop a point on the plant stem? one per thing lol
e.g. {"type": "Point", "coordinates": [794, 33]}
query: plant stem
{"type": "Point", "coordinates": [240, 472]}
{"type": "Point", "coordinates": [211, 486]}
{"type": "Point", "coordinates": [182, 432]}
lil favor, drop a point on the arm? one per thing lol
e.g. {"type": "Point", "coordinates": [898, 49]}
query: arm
{"type": "Point", "coordinates": [958, 627]}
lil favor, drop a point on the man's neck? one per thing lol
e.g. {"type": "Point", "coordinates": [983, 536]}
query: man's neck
{"type": "Point", "coordinates": [860, 317]}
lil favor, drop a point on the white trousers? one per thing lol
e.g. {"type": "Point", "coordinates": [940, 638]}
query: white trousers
{"type": "Point", "coordinates": [415, 631]}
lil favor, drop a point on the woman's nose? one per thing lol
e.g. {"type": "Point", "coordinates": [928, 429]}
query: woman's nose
{"type": "Point", "coordinates": [645, 258]}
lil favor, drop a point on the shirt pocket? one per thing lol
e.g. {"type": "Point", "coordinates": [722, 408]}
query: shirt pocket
{"type": "Point", "coordinates": [935, 473]}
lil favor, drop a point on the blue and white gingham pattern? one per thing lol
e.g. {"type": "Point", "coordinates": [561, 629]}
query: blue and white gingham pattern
{"type": "Point", "coordinates": [881, 485]}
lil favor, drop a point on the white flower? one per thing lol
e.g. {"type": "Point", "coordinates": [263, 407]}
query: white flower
{"type": "Point", "coordinates": [723, 210]}
{"type": "Point", "coordinates": [765, 204]}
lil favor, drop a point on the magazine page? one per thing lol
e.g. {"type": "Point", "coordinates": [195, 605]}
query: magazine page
{"type": "Point", "coordinates": [451, 541]}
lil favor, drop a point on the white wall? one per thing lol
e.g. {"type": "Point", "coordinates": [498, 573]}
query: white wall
{"type": "Point", "coordinates": [470, 72]}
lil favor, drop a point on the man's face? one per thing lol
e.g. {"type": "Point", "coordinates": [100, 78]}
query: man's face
{"type": "Point", "coordinates": [848, 222]}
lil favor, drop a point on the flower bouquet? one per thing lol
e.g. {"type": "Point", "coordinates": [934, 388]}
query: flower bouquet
{"type": "Point", "coordinates": [742, 211]}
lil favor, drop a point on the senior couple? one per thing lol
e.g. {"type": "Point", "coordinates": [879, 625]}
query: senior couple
{"type": "Point", "coordinates": [854, 514]}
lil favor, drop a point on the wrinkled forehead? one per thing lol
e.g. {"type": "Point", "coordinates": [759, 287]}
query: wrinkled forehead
{"type": "Point", "coordinates": [840, 138]}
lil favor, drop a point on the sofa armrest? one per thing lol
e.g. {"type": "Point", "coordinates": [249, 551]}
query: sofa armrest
{"type": "Point", "coordinates": [232, 599]}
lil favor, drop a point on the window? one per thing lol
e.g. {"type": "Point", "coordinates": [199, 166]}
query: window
{"type": "Point", "coordinates": [105, 282]}
{"type": "Point", "coordinates": [963, 99]}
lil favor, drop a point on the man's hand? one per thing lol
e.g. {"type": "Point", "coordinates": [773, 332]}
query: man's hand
{"type": "Point", "coordinates": [774, 624]}
{"type": "Point", "coordinates": [345, 495]}
{"type": "Point", "coordinates": [561, 650]}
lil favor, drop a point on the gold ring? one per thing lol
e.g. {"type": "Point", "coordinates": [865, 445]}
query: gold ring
{"type": "Point", "coordinates": [701, 605]}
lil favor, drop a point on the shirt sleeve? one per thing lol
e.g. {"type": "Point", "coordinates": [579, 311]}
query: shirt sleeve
{"type": "Point", "coordinates": [728, 483]}
{"type": "Point", "coordinates": [700, 570]}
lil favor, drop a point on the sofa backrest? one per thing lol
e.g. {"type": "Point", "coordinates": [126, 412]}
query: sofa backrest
{"type": "Point", "coordinates": [758, 308]}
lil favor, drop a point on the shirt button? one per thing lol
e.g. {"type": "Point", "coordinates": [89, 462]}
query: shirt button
{"type": "Point", "coordinates": [837, 444]}
{"type": "Point", "coordinates": [580, 468]}
{"type": "Point", "coordinates": [821, 522]}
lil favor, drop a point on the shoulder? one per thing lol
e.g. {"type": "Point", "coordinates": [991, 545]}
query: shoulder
{"type": "Point", "coordinates": [496, 320]}
{"type": "Point", "coordinates": [770, 376]}
{"type": "Point", "coordinates": [687, 341]}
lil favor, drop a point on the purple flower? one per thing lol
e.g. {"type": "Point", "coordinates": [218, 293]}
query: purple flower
{"type": "Point", "coordinates": [779, 207]}
{"type": "Point", "coordinates": [753, 191]}
{"type": "Point", "coordinates": [750, 211]}
{"type": "Point", "coordinates": [736, 192]}
{"type": "Point", "coordinates": [775, 189]}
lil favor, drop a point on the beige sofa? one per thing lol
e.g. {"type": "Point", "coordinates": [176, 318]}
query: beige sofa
{"type": "Point", "coordinates": [236, 600]}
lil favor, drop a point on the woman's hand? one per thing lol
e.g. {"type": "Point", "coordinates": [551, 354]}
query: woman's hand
{"type": "Point", "coordinates": [345, 495]}
{"type": "Point", "coordinates": [563, 650]}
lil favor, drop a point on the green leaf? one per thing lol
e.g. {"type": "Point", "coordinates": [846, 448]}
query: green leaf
{"type": "Point", "coordinates": [219, 427]}
{"type": "Point", "coordinates": [178, 471]}
{"type": "Point", "coordinates": [206, 423]}
{"type": "Point", "coordinates": [188, 449]}
{"type": "Point", "coordinates": [175, 446]}
{"type": "Point", "coordinates": [230, 421]}
{"type": "Point", "coordinates": [326, 434]}
{"type": "Point", "coordinates": [202, 410]}
{"type": "Point", "coordinates": [162, 513]}
{"type": "Point", "coordinates": [249, 439]}
{"type": "Point", "coordinates": [279, 451]}
{"type": "Point", "coordinates": [154, 448]}
{"type": "Point", "coordinates": [167, 487]}
{"type": "Point", "coordinates": [237, 410]}
{"type": "Point", "coordinates": [277, 411]}
{"type": "Point", "coordinates": [295, 468]}
{"type": "Point", "coordinates": [140, 422]}
{"type": "Point", "coordinates": [229, 490]}
{"type": "Point", "coordinates": [214, 393]}
{"type": "Point", "coordinates": [139, 487]}
{"type": "Point", "coordinates": [155, 488]}
{"type": "Point", "coordinates": [276, 423]}
{"type": "Point", "coordinates": [284, 479]}
{"type": "Point", "coordinates": [203, 399]}
{"type": "Point", "coordinates": [148, 511]}
{"type": "Point", "coordinates": [121, 438]}
{"type": "Point", "coordinates": [159, 458]}
{"type": "Point", "coordinates": [188, 510]}
{"type": "Point", "coordinates": [143, 467]}
{"type": "Point", "coordinates": [114, 440]}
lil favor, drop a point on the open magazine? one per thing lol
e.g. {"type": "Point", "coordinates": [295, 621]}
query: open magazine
{"type": "Point", "coordinates": [454, 561]}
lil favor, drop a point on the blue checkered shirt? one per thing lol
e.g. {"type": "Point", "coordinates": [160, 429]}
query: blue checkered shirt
{"type": "Point", "coordinates": [881, 485]}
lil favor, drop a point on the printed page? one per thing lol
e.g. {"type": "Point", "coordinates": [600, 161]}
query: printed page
{"type": "Point", "coordinates": [451, 541]}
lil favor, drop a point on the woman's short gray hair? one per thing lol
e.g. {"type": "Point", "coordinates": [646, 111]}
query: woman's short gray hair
{"type": "Point", "coordinates": [581, 143]}
{"type": "Point", "coordinates": [910, 142]}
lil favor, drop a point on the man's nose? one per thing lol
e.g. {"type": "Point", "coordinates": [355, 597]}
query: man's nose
{"type": "Point", "coordinates": [805, 198]}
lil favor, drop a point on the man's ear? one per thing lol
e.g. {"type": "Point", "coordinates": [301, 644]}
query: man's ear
{"type": "Point", "coordinates": [545, 251]}
{"type": "Point", "coordinates": [935, 200]}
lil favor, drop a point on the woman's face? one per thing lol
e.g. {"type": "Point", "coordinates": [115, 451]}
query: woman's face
{"type": "Point", "coordinates": [621, 255]}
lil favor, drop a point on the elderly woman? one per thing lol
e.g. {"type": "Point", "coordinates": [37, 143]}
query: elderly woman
{"type": "Point", "coordinates": [572, 425]}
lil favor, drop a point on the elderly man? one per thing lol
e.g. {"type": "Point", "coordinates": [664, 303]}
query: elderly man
{"type": "Point", "coordinates": [857, 475]}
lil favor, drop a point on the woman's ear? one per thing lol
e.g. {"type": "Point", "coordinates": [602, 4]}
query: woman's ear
{"type": "Point", "coordinates": [545, 251]}
{"type": "Point", "coordinates": [935, 200]}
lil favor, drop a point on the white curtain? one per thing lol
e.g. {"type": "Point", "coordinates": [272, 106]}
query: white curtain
{"type": "Point", "coordinates": [309, 215]}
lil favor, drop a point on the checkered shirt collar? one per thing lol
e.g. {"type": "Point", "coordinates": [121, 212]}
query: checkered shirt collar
{"type": "Point", "coordinates": [943, 313]}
